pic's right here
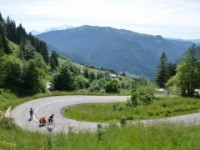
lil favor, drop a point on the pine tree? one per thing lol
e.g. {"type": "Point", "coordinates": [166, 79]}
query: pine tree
{"type": "Point", "coordinates": [11, 30]}
{"type": "Point", "coordinates": [21, 34]}
{"type": "Point", "coordinates": [54, 60]}
{"type": "Point", "coordinates": [44, 51]}
{"type": "Point", "coordinates": [162, 74]}
{"type": "Point", "coordinates": [1, 18]}
{"type": "Point", "coordinates": [171, 69]}
{"type": "Point", "coordinates": [3, 42]}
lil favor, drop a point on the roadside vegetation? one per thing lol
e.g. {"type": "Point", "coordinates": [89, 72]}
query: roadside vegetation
{"type": "Point", "coordinates": [161, 136]}
{"type": "Point", "coordinates": [112, 112]}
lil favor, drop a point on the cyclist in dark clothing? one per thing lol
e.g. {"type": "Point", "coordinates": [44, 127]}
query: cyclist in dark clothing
{"type": "Point", "coordinates": [31, 113]}
{"type": "Point", "coordinates": [51, 118]}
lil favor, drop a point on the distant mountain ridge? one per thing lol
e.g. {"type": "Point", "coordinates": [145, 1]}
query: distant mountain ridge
{"type": "Point", "coordinates": [122, 50]}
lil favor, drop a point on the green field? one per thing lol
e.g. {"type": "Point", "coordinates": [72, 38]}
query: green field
{"type": "Point", "coordinates": [162, 107]}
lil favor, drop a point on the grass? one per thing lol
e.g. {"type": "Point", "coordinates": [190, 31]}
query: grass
{"type": "Point", "coordinates": [163, 107]}
{"type": "Point", "coordinates": [156, 137]}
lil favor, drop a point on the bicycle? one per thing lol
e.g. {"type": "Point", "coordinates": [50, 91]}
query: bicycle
{"type": "Point", "coordinates": [50, 126]}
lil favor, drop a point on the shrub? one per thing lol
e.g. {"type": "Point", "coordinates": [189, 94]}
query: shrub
{"type": "Point", "coordinates": [100, 132]}
{"type": "Point", "coordinates": [112, 87]}
{"type": "Point", "coordinates": [142, 95]}
{"type": "Point", "coordinates": [6, 123]}
{"type": "Point", "coordinates": [123, 121]}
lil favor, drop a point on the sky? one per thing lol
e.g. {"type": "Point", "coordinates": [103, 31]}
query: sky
{"type": "Point", "coordinates": [169, 18]}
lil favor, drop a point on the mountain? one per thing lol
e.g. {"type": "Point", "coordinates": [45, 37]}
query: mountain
{"type": "Point", "coordinates": [197, 41]}
{"type": "Point", "coordinates": [121, 50]}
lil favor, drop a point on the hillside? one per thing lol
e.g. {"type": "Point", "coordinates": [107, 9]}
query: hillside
{"type": "Point", "coordinates": [121, 50]}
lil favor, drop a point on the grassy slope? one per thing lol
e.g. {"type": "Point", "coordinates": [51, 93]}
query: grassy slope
{"type": "Point", "coordinates": [164, 107]}
{"type": "Point", "coordinates": [156, 137]}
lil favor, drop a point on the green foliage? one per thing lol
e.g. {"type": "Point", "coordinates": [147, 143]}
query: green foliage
{"type": "Point", "coordinates": [35, 75]}
{"type": "Point", "coordinates": [98, 85]}
{"type": "Point", "coordinates": [188, 73]}
{"type": "Point", "coordinates": [54, 60]}
{"type": "Point", "coordinates": [86, 73]}
{"type": "Point", "coordinates": [11, 69]}
{"type": "Point", "coordinates": [123, 121]}
{"type": "Point", "coordinates": [1, 18]}
{"type": "Point", "coordinates": [4, 48]}
{"type": "Point", "coordinates": [142, 96]}
{"type": "Point", "coordinates": [161, 77]}
{"type": "Point", "coordinates": [11, 30]}
{"type": "Point", "coordinates": [81, 82]}
{"type": "Point", "coordinates": [6, 123]}
{"type": "Point", "coordinates": [92, 76]}
{"type": "Point", "coordinates": [100, 132]}
{"type": "Point", "coordinates": [67, 80]}
{"type": "Point", "coordinates": [27, 51]}
{"type": "Point", "coordinates": [112, 87]}
{"type": "Point", "coordinates": [28, 75]}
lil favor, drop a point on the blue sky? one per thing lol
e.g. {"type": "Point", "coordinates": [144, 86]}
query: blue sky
{"type": "Point", "coordinates": [170, 18]}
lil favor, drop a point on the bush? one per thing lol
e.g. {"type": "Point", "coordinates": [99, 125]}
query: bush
{"type": "Point", "coordinates": [100, 132]}
{"type": "Point", "coordinates": [123, 121]}
{"type": "Point", "coordinates": [112, 87]}
{"type": "Point", "coordinates": [7, 123]}
{"type": "Point", "coordinates": [142, 95]}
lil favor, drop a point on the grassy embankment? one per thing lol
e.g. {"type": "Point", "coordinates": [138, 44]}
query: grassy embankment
{"type": "Point", "coordinates": [156, 137]}
{"type": "Point", "coordinates": [162, 107]}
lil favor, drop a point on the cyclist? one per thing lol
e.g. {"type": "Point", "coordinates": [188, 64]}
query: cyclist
{"type": "Point", "coordinates": [42, 121]}
{"type": "Point", "coordinates": [31, 113]}
{"type": "Point", "coordinates": [51, 119]}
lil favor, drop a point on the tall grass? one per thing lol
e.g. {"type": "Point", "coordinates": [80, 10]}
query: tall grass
{"type": "Point", "coordinates": [156, 137]}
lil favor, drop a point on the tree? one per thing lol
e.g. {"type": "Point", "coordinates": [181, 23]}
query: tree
{"type": "Point", "coordinates": [162, 74]}
{"type": "Point", "coordinates": [171, 70]}
{"type": "Point", "coordinates": [67, 78]}
{"type": "Point", "coordinates": [99, 75]}
{"type": "Point", "coordinates": [11, 69]}
{"type": "Point", "coordinates": [26, 51]}
{"type": "Point", "coordinates": [44, 51]}
{"type": "Point", "coordinates": [112, 87]}
{"type": "Point", "coordinates": [92, 76]}
{"type": "Point", "coordinates": [11, 30]}
{"type": "Point", "coordinates": [1, 18]}
{"type": "Point", "coordinates": [86, 73]}
{"type": "Point", "coordinates": [4, 48]}
{"type": "Point", "coordinates": [188, 72]}
{"type": "Point", "coordinates": [21, 34]}
{"type": "Point", "coordinates": [54, 60]}
{"type": "Point", "coordinates": [35, 75]}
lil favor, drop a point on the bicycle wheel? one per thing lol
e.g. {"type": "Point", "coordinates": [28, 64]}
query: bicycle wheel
{"type": "Point", "coordinates": [50, 126]}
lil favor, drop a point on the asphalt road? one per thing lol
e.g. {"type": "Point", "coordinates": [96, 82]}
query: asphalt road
{"type": "Point", "coordinates": [56, 105]}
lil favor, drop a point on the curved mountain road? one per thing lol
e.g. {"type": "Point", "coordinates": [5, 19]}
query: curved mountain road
{"type": "Point", "coordinates": [55, 105]}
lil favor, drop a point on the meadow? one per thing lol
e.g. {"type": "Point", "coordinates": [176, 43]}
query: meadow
{"type": "Point", "coordinates": [130, 137]}
{"type": "Point", "coordinates": [161, 107]}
